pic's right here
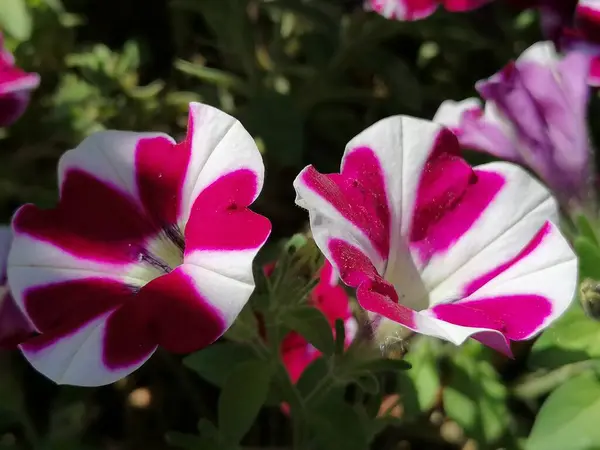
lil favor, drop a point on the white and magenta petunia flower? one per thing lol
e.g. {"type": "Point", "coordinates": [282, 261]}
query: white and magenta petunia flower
{"type": "Point", "coordinates": [585, 35]}
{"type": "Point", "coordinates": [535, 115]}
{"type": "Point", "coordinates": [15, 87]}
{"type": "Point", "coordinates": [436, 246]}
{"type": "Point", "coordinates": [331, 298]}
{"type": "Point", "coordinates": [14, 326]}
{"type": "Point", "coordinates": [151, 244]}
{"type": "Point", "coordinates": [418, 9]}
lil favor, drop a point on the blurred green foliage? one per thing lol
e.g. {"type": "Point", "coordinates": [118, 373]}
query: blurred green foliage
{"type": "Point", "coordinates": [304, 76]}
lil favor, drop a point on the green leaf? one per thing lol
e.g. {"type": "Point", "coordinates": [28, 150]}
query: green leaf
{"type": "Point", "coordinates": [574, 337]}
{"type": "Point", "coordinates": [212, 76]}
{"type": "Point", "coordinates": [418, 387]}
{"type": "Point", "coordinates": [368, 383]}
{"type": "Point", "coordinates": [569, 417]}
{"type": "Point", "coordinates": [312, 376]}
{"type": "Point", "coordinates": [215, 363]}
{"type": "Point", "coordinates": [313, 326]}
{"type": "Point", "coordinates": [243, 395]}
{"type": "Point", "coordinates": [589, 258]}
{"type": "Point", "coordinates": [276, 119]}
{"type": "Point", "coordinates": [380, 365]}
{"type": "Point", "coordinates": [15, 19]}
{"type": "Point", "coordinates": [312, 12]}
{"type": "Point", "coordinates": [475, 398]}
{"type": "Point", "coordinates": [338, 425]}
{"type": "Point", "coordinates": [190, 441]}
{"type": "Point", "coordinates": [586, 229]}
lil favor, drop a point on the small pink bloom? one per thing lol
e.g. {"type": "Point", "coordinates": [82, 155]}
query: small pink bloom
{"type": "Point", "coordinates": [535, 115]}
{"type": "Point", "coordinates": [151, 245]}
{"type": "Point", "coordinates": [14, 327]}
{"type": "Point", "coordinates": [419, 9]}
{"type": "Point", "coordinates": [435, 245]}
{"type": "Point", "coordinates": [331, 298]}
{"type": "Point", "coordinates": [15, 87]}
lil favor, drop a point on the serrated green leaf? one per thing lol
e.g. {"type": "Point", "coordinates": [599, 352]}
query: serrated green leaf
{"type": "Point", "coordinates": [15, 19]}
{"type": "Point", "coordinates": [568, 419]}
{"type": "Point", "coordinates": [311, 324]}
{"type": "Point", "coordinates": [574, 337]}
{"type": "Point", "coordinates": [215, 363]}
{"type": "Point", "coordinates": [243, 395]}
{"type": "Point", "coordinates": [475, 398]}
{"type": "Point", "coordinates": [589, 258]}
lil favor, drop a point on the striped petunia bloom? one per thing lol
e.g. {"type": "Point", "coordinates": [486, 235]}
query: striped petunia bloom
{"type": "Point", "coordinates": [435, 245]}
{"type": "Point", "coordinates": [151, 244]}
{"type": "Point", "coordinates": [15, 87]}
{"type": "Point", "coordinates": [418, 9]}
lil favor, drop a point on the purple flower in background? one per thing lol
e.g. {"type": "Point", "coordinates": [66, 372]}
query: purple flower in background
{"type": "Point", "coordinates": [534, 115]}
{"type": "Point", "coordinates": [15, 87]}
{"type": "Point", "coordinates": [585, 35]}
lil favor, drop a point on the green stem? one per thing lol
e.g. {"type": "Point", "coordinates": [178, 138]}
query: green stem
{"type": "Point", "coordinates": [29, 431]}
{"type": "Point", "coordinates": [531, 388]}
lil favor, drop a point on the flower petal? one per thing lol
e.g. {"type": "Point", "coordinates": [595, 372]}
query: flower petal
{"type": "Point", "coordinates": [498, 234]}
{"type": "Point", "coordinates": [476, 129]}
{"type": "Point", "coordinates": [70, 310]}
{"type": "Point", "coordinates": [78, 358]}
{"type": "Point", "coordinates": [182, 319]}
{"type": "Point", "coordinates": [225, 176]}
{"type": "Point", "coordinates": [402, 9]}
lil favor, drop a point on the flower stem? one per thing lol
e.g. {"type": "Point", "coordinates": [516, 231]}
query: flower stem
{"type": "Point", "coordinates": [534, 387]}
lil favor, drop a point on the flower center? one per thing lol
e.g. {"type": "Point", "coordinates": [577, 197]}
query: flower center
{"type": "Point", "coordinates": [161, 255]}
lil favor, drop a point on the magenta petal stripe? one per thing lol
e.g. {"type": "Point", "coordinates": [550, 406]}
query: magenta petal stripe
{"type": "Point", "coordinates": [160, 174]}
{"type": "Point", "coordinates": [81, 226]}
{"type": "Point", "coordinates": [537, 240]}
{"type": "Point", "coordinates": [358, 194]}
{"type": "Point", "coordinates": [498, 313]}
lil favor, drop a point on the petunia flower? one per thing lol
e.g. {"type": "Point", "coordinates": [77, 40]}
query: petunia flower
{"type": "Point", "coordinates": [332, 300]}
{"type": "Point", "coordinates": [535, 115]}
{"type": "Point", "coordinates": [584, 36]}
{"type": "Point", "coordinates": [15, 87]}
{"type": "Point", "coordinates": [151, 244]}
{"type": "Point", "coordinates": [418, 9]}
{"type": "Point", "coordinates": [14, 327]}
{"type": "Point", "coordinates": [436, 246]}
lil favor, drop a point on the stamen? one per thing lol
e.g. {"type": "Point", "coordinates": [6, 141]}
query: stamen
{"type": "Point", "coordinates": [174, 234]}
{"type": "Point", "coordinates": [154, 261]}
